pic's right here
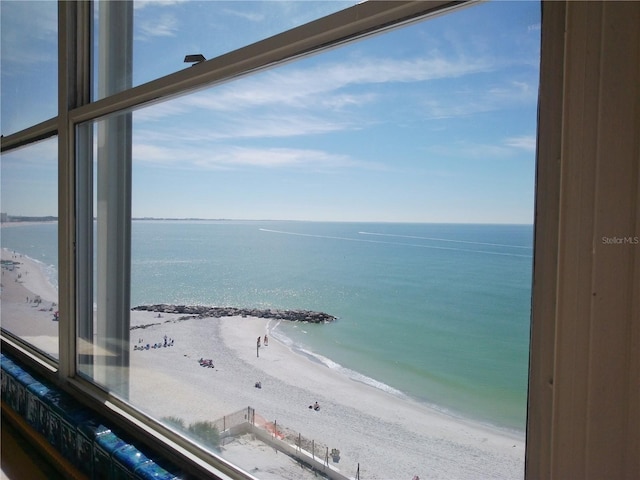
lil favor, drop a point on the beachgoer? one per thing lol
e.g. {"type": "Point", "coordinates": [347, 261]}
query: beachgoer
{"type": "Point", "coordinates": [316, 406]}
{"type": "Point", "coordinates": [258, 341]}
{"type": "Point", "coordinates": [266, 340]}
{"type": "Point", "coordinates": [258, 384]}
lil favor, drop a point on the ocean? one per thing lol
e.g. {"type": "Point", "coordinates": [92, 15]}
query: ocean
{"type": "Point", "coordinates": [436, 312]}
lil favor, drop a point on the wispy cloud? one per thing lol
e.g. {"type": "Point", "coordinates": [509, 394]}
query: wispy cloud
{"type": "Point", "coordinates": [523, 142]}
{"type": "Point", "coordinates": [504, 149]}
{"type": "Point", "coordinates": [141, 4]}
{"type": "Point", "coordinates": [29, 35]}
{"type": "Point", "coordinates": [322, 84]}
{"type": "Point", "coordinates": [279, 126]}
{"type": "Point", "coordinates": [40, 156]}
{"type": "Point", "coordinates": [276, 158]}
{"type": "Point", "coordinates": [316, 98]}
{"type": "Point", "coordinates": [251, 16]}
{"type": "Point", "coordinates": [234, 157]}
{"type": "Point", "coordinates": [247, 125]}
{"type": "Point", "coordinates": [296, 101]}
{"type": "Point", "coordinates": [471, 101]}
{"type": "Point", "coordinates": [166, 25]}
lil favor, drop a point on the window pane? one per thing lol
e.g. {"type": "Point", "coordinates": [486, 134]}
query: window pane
{"type": "Point", "coordinates": [388, 184]}
{"type": "Point", "coordinates": [28, 63]}
{"type": "Point", "coordinates": [210, 28]}
{"type": "Point", "coordinates": [30, 245]}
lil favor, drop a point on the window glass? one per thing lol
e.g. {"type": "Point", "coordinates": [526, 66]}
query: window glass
{"type": "Point", "coordinates": [209, 28]}
{"type": "Point", "coordinates": [28, 62]}
{"type": "Point", "coordinates": [334, 250]}
{"type": "Point", "coordinates": [29, 239]}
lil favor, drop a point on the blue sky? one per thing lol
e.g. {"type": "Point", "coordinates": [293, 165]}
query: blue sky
{"type": "Point", "coordinates": [434, 122]}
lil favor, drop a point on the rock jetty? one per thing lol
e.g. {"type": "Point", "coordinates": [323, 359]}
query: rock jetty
{"type": "Point", "coordinates": [202, 311]}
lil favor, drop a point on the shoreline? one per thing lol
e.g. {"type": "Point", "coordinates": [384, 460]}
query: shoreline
{"type": "Point", "coordinates": [294, 316]}
{"type": "Point", "coordinates": [403, 437]}
{"type": "Point", "coordinates": [23, 223]}
{"type": "Point", "coordinates": [389, 436]}
{"type": "Point", "coordinates": [29, 301]}
{"type": "Point", "coordinates": [371, 382]}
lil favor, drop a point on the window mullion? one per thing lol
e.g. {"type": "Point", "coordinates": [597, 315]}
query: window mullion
{"type": "Point", "coordinates": [74, 84]}
{"type": "Point", "coordinates": [113, 249]}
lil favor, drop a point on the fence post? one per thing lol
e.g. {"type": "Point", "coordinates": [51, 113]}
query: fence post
{"type": "Point", "coordinates": [313, 449]}
{"type": "Point", "coordinates": [326, 457]}
{"type": "Point", "coordinates": [224, 423]}
{"type": "Point", "coordinates": [275, 428]}
{"type": "Point", "coordinates": [299, 441]}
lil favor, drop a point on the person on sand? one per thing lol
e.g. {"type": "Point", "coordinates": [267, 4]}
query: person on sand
{"type": "Point", "coordinates": [266, 340]}
{"type": "Point", "coordinates": [258, 341]}
{"type": "Point", "coordinates": [315, 406]}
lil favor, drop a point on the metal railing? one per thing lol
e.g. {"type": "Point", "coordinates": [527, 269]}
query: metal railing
{"type": "Point", "coordinates": [284, 439]}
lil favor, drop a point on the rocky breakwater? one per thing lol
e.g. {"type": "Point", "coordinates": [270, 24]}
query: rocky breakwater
{"type": "Point", "coordinates": [202, 311]}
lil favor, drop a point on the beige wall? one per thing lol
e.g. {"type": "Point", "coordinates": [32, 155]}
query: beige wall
{"type": "Point", "coordinates": [584, 400]}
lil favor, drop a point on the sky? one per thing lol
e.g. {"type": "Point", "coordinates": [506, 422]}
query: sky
{"type": "Point", "coordinates": [433, 122]}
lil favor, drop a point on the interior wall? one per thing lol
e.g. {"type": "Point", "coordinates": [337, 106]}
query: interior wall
{"type": "Point", "coordinates": [584, 401]}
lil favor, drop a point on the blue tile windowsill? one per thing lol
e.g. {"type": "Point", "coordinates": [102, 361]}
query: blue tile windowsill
{"type": "Point", "coordinates": [79, 434]}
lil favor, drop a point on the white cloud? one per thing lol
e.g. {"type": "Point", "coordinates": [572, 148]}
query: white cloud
{"type": "Point", "coordinates": [523, 142]}
{"type": "Point", "coordinates": [29, 34]}
{"type": "Point", "coordinates": [505, 149]}
{"type": "Point", "coordinates": [513, 91]}
{"type": "Point", "coordinates": [232, 157]}
{"type": "Point", "coordinates": [478, 100]}
{"type": "Point", "coordinates": [38, 156]}
{"type": "Point", "coordinates": [251, 16]}
{"type": "Point", "coordinates": [274, 126]}
{"type": "Point", "coordinates": [159, 111]}
{"type": "Point", "coordinates": [320, 85]}
{"type": "Point", "coordinates": [275, 158]}
{"type": "Point", "coordinates": [315, 99]}
{"type": "Point", "coordinates": [140, 4]}
{"type": "Point", "coordinates": [165, 25]}
{"type": "Point", "coordinates": [244, 126]}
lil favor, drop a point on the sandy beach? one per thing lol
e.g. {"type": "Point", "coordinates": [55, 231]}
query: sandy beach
{"type": "Point", "coordinates": [388, 436]}
{"type": "Point", "coordinates": [21, 313]}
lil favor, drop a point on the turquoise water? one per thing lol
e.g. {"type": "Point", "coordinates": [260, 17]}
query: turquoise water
{"type": "Point", "coordinates": [437, 312]}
